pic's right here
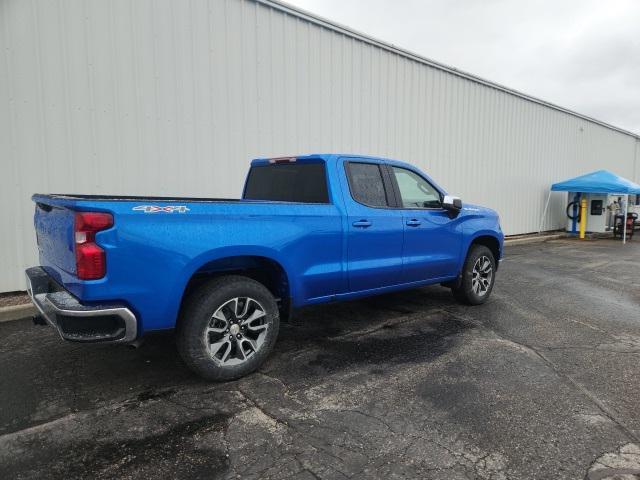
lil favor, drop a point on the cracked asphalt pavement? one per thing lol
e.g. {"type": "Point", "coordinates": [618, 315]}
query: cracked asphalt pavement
{"type": "Point", "coordinates": [540, 382]}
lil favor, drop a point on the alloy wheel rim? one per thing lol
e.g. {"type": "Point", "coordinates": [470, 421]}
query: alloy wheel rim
{"type": "Point", "coordinates": [482, 275]}
{"type": "Point", "coordinates": [236, 331]}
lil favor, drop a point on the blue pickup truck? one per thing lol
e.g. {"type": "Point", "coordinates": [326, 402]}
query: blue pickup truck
{"type": "Point", "coordinates": [222, 273]}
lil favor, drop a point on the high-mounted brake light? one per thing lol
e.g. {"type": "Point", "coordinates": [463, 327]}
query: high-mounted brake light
{"type": "Point", "coordinates": [90, 258]}
{"type": "Point", "coordinates": [282, 160]}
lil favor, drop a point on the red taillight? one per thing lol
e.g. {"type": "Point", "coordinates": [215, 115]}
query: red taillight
{"type": "Point", "coordinates": [90, 258]}
{"type": "Point", "coordinates": [90, 261]}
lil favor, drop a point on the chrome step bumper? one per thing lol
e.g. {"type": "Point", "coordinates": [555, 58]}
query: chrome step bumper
{"type": "Point", "coordinates": [74, 321]}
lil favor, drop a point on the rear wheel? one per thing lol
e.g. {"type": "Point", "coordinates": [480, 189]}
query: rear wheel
{"type": "Point", "coordinates": [478, 276]}
{"type": "Point", "coordinates": [228, 327]}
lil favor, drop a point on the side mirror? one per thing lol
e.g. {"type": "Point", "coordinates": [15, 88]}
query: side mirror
{"type": "Point", "coordinates": [453, 205]}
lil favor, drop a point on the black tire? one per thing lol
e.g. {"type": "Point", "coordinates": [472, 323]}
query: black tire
{"type": "Point", "coordinates": [196, 317]}
{"type": "Point", "coordinates": [465, 292]}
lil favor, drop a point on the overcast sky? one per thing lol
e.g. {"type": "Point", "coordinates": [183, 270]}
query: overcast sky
{"type": "Point", "coordinates": [580, 54]}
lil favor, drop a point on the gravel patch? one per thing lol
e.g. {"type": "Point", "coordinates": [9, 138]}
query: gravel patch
{"type": "Point", "coordinates": [13, 298]}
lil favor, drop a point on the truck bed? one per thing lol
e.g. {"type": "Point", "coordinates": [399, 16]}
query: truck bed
{"type": "Point", "coordinates": [129, 198]}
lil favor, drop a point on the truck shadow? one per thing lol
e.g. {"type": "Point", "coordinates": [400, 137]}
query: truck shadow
{"type": "Point", "coordinates": [401, 328]}
{"type": "Point", "coordinates": [406, 327]}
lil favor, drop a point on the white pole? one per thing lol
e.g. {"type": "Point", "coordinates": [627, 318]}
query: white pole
{"type": "Point", "coordinates": [624, 221]}
{"type": "Point", "coordinates": [544, 214]}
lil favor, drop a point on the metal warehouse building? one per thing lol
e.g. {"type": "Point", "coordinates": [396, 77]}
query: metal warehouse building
{"type": "Point", "coordinates": [158, 97]}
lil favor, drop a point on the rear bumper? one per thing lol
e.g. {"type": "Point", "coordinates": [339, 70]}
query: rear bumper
{"type": "Point", "coordinates": [112, 322]}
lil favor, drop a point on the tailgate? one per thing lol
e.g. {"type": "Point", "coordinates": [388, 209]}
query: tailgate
{"type": "Point", "coordinates": [54, 233]}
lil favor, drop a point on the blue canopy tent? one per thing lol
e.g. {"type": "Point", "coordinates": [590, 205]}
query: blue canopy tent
{"type": "Point", "coordinates": [601, 181]}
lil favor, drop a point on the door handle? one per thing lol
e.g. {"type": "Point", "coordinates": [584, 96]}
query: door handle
{"type": "Point", "coordinates": [362, 223]}
{"type": "Point", "coordinates": [414, 222]}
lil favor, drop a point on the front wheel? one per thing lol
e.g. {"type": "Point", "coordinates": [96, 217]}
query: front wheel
{"type": "Point", "coordinates": [478, 276]}
{"type": "Point", "coordinates": [228, 327]}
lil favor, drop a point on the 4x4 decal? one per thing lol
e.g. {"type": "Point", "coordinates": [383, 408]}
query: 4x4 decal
{"type": "Point", "coordinates": [158, 209]}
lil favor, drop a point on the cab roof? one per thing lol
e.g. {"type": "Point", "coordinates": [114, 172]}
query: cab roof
{"type": "Point", "coordinates": [324, 157]}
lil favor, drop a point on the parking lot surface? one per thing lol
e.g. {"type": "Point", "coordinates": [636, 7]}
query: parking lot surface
{"type": "Point", "coordinates": [541, 382]}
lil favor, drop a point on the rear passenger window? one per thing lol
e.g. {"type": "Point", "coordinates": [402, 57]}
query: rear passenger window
{"type": "Point", "coordinates": [366, 184]}
{"type": "Point", "coordinates": [290, 182]}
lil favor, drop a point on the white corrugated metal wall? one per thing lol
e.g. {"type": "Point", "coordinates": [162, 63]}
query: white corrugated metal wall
{"type": "Point", "coordinates": [160, 97]}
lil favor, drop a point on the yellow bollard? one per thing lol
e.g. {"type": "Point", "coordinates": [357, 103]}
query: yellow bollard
{"type": "Point", "coordinates": [583, 217]}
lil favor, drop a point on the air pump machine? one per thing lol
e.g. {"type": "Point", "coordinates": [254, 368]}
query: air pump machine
{"type": "Point", "coordinates": [599, 217]}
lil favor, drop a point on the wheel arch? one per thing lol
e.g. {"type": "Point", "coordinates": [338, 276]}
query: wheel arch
{"type": "Point", "coordinates": [489, 241]}
{"type": "Point", "coordinates": [259, 266]}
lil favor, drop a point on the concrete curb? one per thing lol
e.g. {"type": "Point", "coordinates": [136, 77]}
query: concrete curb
{"type": "Point", "coordinates": [16, 312]}
{"type": "Point", "coordinates": [533, 239]}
